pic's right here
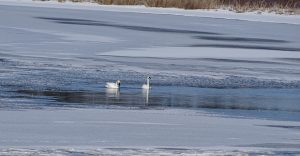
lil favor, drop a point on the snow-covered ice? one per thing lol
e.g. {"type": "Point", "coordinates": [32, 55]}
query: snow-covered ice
{"type": "Point", "coordinates": [214, 45]}
{"type": "Point", "coordinates": [172, 130]}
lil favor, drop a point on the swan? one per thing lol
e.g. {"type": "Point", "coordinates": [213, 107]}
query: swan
{"type": "Point", "coordinates": [112, 85]}
{"type": "Point", "coordinates": [147, 86]}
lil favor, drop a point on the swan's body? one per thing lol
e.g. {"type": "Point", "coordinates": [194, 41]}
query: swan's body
{"type": "Point", "coordinates": [112, 85]}
{"type": "Point", "coordinates": [147, 85]}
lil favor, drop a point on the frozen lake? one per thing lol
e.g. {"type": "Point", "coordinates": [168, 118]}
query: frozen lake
{"type": "Point", "coordinates": [236, 80]}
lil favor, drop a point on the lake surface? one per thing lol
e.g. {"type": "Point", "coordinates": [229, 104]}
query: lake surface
{"type": "Point", "coordinates": [219, 86]}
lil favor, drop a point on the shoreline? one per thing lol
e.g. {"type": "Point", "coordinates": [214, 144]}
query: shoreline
{"type": "Point", "coordinates": [219, 13]}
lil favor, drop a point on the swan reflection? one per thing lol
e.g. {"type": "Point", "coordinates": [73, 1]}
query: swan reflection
{"type": "Point", "coordinates": [146, 95]}
{"type": "Point", "coordinates": [112, 93]}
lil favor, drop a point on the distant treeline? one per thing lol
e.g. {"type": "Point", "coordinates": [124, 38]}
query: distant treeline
{"type": "Point", "coordinates": [279, 6]}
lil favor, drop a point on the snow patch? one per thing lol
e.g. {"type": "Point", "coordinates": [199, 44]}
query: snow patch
{"type": "Point", "coordinates": [194, 52]}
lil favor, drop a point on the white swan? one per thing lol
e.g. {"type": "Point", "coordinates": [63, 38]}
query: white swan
{"type": "Point", "coordinates": [112, 85]}
{"type": "Point", "coordinates": [147, 85]}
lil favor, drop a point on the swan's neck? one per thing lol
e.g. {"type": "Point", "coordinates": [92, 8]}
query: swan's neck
{"type": "Point", "coordinates": [148, 82]}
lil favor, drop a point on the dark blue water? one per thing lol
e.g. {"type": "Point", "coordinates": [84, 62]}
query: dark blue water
{"type": "Point", "coordinates": [37, 83]}
{"type": "Point", "coordinates": [280, 104]}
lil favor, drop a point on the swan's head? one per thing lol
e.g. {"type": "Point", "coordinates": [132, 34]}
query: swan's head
{"type": "Point", "coordinates": [149, 78]}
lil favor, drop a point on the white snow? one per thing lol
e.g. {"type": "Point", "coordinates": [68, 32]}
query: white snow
{"type": "Point", "coordinates": [135, 31]}
{"type": "Point", "coordinates": [174, 128]}
{"type": "Point", "coordinates": [193, 52]}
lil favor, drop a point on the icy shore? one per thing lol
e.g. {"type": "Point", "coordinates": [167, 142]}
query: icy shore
{"type": "Point", "coordinates": [189, 130]}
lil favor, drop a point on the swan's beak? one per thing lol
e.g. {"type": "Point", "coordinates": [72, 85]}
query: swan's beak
{"type": "Point", "coordinates": [149, 77]}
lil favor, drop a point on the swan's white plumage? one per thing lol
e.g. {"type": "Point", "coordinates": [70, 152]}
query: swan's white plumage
{"type": "Point", "coordinates": [112, 85]}
{"type": "Point", "coordinates": [147, 85]}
